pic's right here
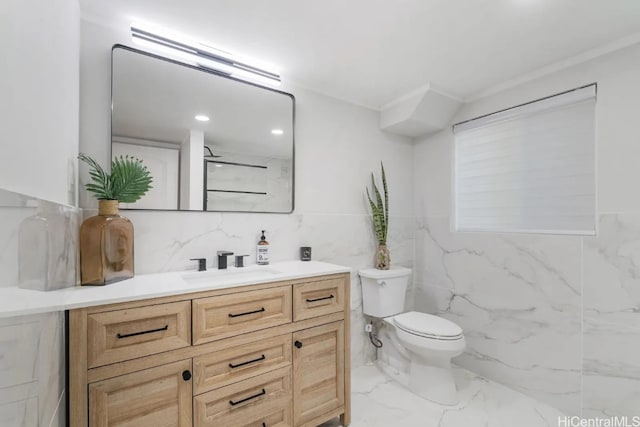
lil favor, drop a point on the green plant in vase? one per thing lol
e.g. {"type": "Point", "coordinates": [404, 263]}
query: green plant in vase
{"type": "Point", "coordinates": [128, 181]}
{"type": "Point", "coordinates": [380, 217]}
{"type": "Point", "coordinates": [106, 240]}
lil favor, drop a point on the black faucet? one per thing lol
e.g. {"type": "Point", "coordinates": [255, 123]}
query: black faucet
{"type": "Point", "coordinates": [222, 259]}
{"type": "Point", "coordinates": [240, 260]}
{"type": "Point", "coordinates": [202, 263]}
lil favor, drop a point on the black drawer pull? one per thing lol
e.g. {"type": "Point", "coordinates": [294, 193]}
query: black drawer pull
{"type": "Point", "coordinates": [134, 334]}
{"type": "Point", "coordinates": [298, 344]}
{"type": "Point", "coordinates": [320, 299]}
{"type": "Point", "coordinates": [264, 425]}
{"type": "Point", "coordinates": [262, 393]}
{"type": "Point", "coordinates": [247, 313]}
{"type": "Point", "coordinates": [186, 375]}
{"type": "Point", "coordinates": [231, 365]}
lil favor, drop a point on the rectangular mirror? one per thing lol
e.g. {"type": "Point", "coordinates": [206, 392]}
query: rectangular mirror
{"type": "Point", "coordinates": [211, 142]}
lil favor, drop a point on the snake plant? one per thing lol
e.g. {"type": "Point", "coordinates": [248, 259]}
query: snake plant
{"type": "Point", "coordinates": [128, 181]}
{"type": "Point", "coordinates": [380, 209]}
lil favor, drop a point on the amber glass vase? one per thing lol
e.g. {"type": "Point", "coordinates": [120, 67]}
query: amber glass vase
{"type": "Point", "coordinates": [106, 246]}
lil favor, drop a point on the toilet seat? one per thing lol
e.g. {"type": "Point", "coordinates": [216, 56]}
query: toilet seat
{"type": "Point", "coordinates": [428, 326]}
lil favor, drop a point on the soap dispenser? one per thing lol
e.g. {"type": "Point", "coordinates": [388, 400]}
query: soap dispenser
{"type": "Point", "coordinates": [262, 250]}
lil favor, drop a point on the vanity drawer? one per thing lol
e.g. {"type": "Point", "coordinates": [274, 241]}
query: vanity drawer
{"type": "Point", "coordinates": [262, 400]}
{"type": "Point", "coordinates": [224, 316]}
{"type": "Point", "coordinates": [315, 299]}
{"type": "Point", "coordinates": [114, 336]}
{"type": "Point", "coordinates": [229, 365]}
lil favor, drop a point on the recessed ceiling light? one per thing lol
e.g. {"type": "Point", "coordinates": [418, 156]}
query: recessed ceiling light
{"type": "Point", "coordinates": [202, 118]}
{"type": "Point", "coordinates": [277, 131]}
{"type": "Point", "coordinates": [218, 166]}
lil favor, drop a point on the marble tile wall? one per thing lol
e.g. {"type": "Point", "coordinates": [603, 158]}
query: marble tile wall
{"type": "Point", "coordinates": [32, 351]}
{"type": "Point", "coordinates": [32, 371]}
{"type": "Point", "coordinates": [611, 363]}
{"type": "Point", "coordinates": [555, 317]}
{"type": "Point", "coordinates": [50, 260]}
{"type": "Point", "coordinates": [518, 299]}
{"type": "Point", "coordinates": [341, 239]}
{"type": "Point", "coordinates": [11, 219]}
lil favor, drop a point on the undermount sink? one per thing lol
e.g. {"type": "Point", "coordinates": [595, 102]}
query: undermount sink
{"type": "Point", "coordinates": [230, 274]}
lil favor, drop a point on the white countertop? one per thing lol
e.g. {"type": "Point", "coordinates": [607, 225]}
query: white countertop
{"type": "Point", "coordinates": [18, 302]}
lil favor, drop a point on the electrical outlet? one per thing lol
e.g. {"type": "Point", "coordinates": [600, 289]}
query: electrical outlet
{"type": "Point", "coordinates": [368, 327]}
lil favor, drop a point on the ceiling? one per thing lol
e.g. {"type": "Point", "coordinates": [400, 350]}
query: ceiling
{"type": "Point", "coordinates": [371, 52]}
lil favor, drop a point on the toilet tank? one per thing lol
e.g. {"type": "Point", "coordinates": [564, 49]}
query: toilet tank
{"type": "Point", "coordinates": [383, 291]}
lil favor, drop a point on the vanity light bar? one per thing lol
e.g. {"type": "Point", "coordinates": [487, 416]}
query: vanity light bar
{"type": "Point", "coordinates": [204, 58]}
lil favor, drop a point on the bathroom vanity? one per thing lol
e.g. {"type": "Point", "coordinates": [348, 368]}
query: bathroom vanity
{"type": "Point", "coordinates": [221, 349]}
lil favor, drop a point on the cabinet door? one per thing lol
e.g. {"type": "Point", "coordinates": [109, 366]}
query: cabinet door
{"type": "Point", "coordinates": [156, 397]}
{"type": "Point", "coordinates": [318, 363]}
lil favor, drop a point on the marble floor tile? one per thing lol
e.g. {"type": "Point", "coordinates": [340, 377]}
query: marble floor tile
{"type": "Point", "coordinates": [377, 401]}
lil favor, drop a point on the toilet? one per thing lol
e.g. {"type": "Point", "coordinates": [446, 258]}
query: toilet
{"type": "Point", "coordinates": [428, 342]}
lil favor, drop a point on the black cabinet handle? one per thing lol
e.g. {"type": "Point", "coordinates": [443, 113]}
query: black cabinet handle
{"type": "Point", "coordinates": [247, 313]}
{"type": "Point", "coordinates": [231, 365]}
{"type": "Point", "coordinates": [262, 393]}
{"type": "Point", "coordinates": [134, 334]}
{"type": "Point", "coordinates": [264, 425]}
{"type": "Point", "coordinates": [186, 375]}
{"type": "Point", "coordinates": [298, 344]}
{"type": "Point", "coordinates": [320, 299]}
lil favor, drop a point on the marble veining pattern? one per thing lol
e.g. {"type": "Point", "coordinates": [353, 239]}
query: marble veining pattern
{"type": "Point", "coordinates": [377, 401]}
{"type": "Point", "coordinates": [518, 299]}
{"type": "Point", "coordinates": [32, 354]}
{"type": "Point", "coordinates": [11, 218]}
{"type": "Point", "coordinates": [32, 363]}
{"type": "Point", "coordinates": [346, 240]}
{"type": "Point", "coordinates": [611, 369]}
{"type": "Point", "coordinates": [612, 318]}
{"type": "Point", "coordinates": [61, 247]}
{"type": "Point", "coordinates": [612, 271]}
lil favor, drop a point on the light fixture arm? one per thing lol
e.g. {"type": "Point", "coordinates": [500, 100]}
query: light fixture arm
{"type": "Point", "coordinates": [203, 58]}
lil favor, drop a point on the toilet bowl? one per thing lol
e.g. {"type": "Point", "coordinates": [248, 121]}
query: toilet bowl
{"type": "Point", "coordinates": [429, 341]}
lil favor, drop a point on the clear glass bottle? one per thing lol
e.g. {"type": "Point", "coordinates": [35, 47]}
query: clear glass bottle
{"type": "Point", "coordinates": [47, 248]}
{"type": "Point", "coordinates": [262, 251]}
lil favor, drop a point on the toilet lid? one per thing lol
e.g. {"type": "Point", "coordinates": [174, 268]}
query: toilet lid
{"type": "Point", "coordinates": [427, 325]}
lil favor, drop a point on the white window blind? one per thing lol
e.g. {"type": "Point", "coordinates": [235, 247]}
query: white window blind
{"type": "Point", "coordinates": [528, 169]}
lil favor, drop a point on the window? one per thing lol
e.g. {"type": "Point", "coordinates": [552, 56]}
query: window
{"type": "Point", "coordinates": [528, 169]}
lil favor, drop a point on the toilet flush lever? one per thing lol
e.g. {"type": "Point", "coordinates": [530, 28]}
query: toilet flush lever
{"type": "Point", "coordinates": [383, 283]}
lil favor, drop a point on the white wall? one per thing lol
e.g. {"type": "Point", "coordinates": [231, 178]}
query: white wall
{"type": "Point", "coordinates": [529, 304]}
{"type": "Point", "coordinates": [338, 145]}
{"type": "Point", "coordinates": [39, 41]}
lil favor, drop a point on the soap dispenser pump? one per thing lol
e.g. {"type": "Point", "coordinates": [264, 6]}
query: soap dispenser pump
{"type": "Point", "coordinates": [262, 251]}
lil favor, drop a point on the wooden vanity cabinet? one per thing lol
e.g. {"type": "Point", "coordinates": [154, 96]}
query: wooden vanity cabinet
{"type": "Point", "coordinates": [267, 355]}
